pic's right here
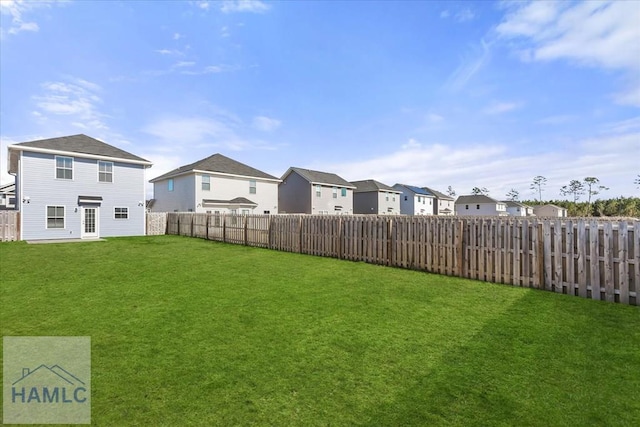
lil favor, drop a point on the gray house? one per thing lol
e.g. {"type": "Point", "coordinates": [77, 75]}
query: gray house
{"type": "Point", "coordinates": [77, 187]}
{"type": "Point", "coordinates": [373, 197]}
{"type": "Point", "coordinates": [216, 184]}
{"type": "Point", "coordinates": [444, 205]}
{"type": "Point", "coordinates": [314, 192]}
{"type": "Point", "coordinates": [415, 200]}
{"type": "Point", "coordinates": [474, 205]}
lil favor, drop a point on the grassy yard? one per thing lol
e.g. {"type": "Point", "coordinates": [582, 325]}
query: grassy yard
{"type": "Point", "coordinates": [186, 331]}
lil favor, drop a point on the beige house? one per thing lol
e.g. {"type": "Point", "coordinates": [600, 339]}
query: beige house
{"type": "Point", "coordinates": [314, 192]}
{"type": "Point", "coordinates": [550, 211]}
{"type": "Point", "coordinates": [474, 205]}
{"type": "Point", "coordinates": [373, 197]}
{"type": "Point", "coordinates": [216, 184]}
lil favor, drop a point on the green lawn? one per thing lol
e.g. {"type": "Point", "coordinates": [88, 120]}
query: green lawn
{"type": "Point", "coordinates": [188, 331]}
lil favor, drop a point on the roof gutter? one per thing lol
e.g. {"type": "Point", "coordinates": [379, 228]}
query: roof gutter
{"type": "Point", "coordinates": [161, 177]}
{"type": "Point", "coordinates": [77, 154]}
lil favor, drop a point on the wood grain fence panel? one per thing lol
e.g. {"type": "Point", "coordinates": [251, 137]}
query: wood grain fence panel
{"type": "Point", "coordinates": [594, 260]}
{"type": "Point", "coordinates": [623, 265]}
{"type": "Point", "coordinates": [569, 268]}
{"type": "Point", "coordinates": [557, 256]}
{"type": "Point", "coordinates": [548, 267]}
{"type": "Point", "coordinates": [609, 286]}
{"type": "Point", "coordinates": [581, 249]}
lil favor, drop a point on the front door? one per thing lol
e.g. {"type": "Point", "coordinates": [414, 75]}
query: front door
{"type": "Point", "coordinates": [89, 223]}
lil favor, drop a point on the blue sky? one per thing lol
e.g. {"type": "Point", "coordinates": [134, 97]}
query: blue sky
{"type": "Point", "coordinates": [486, 94]}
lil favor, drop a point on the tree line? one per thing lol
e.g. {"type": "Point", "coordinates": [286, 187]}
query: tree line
{"type": "Point", "coordinates": [588, 187]}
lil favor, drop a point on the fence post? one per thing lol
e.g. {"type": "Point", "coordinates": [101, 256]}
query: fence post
{"type": "Point", "coordinates": [340, 237]}
{"type": "Point", "coordinates": [224, 228]}
{"type": "Point", "coordinates": [390, 242]}
{"type": "Point", "coordinates": [245, 229]}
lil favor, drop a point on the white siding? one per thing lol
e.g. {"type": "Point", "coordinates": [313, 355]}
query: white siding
{"type": "Point", "coordinates": [481, 209]}
{"type": "Point", "coordinates": [227, 188]}
{"type": "Point", "coordinates": [39, 183]}
{"type": "Point", "coordinates": [391, 206]}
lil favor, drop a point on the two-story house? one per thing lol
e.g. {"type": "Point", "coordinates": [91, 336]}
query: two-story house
{"type": "Point", "coordinates": [216, 184]}
{"type": "Point", "coordinates": [518, 209]}
{"type": "Point", "coordinates": [474, 205]}
{"type": "Point", "coordinates": [77, 187]}
{"type": "Point", "coordinates": [373, 197]}
{"type": "Point", "coordinates": [444, 205]}
{"type": "Point", "coordinates": [415, 200]}
{"type": "Point", "coordinates": [314, 192]}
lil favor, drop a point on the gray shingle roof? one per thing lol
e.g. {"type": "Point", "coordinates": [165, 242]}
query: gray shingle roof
{"type": "Point", "coordinates": [438, 194]}
{"type": "Point", "coordinates": [82, 144]}
{"type": "Point", "coordinates": [415, 189]}
{"type": "Point", "coordinates": [368, 185]}
{"type": "Point", "coordinates": [317, 177]}
{"type": "Point", "coordinates": [475, 199]}
{"type": "Point", "coordinates": [514, 204]}
{"type": "Point", "coordinates": [217, 163]}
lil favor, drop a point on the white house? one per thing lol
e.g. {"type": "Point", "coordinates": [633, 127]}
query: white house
{"type": "Point", "coordinates": [77, 187]}
{"type": "Point", "coordinates": [8, 196]}
{"type": "Point", "coordinates": [415, 200]}
{"type": "Point", "coordinates": [314, 192]}
{"type": "Point", "coordinates": [373, 197]}
{"type": "Point", "coordinates": [216, 184]}
{"type": "Point", "coordinates": [550, 211]}
{"type": "Point", "coordinates": [474, 205]}
{"type": "Point", "coordinates": [518, 209]}
{"type": "Point", "coordinates": [445, 205]}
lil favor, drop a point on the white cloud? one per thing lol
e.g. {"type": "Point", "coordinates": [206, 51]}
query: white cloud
{"type": "Point", "coordinates": [501, 107]}
{"type": "Point", "coordinates": [465, 15]}
{"type": "Point", "coordinates": [16, 9]}
{"type": "Point", "coordinates": [177, 36]}
{"type": "Point", "coordinates": [470, 65]}
{"type": "Point", "coordinates": [434, 118]}
{"type": "Point", "coordinates": [266, 124]}
{"type": "Point", "coordinates": [558, 119]}
{"type": "Point", "coordinates": [499, 167]}
{"type": "Point", "coordinates": [204, 5]}
{"type": "Point", "coordinates": [251, 6]}
{"type": "Point", "coordinates": [601, 34]}
{"type": "Point", "coordinates": [76, 98]}
{"type": "Point", "coordinates": [168, 52]}
{"type": "Point", "coordinates": [182, 64]}
{"type": "Point", "coordinates": [444, 14]}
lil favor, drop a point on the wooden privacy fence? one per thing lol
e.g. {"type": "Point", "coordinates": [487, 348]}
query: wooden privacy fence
{"type": "Point", "coordinates": [9, 226]}
{"type": "Point", "coordinates": [598, 259]}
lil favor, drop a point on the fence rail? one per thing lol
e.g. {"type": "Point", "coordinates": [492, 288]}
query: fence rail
{"type": "Point", "coordinates": [9, 226]}
{"type": "Point", "coordinates": [597, 259]}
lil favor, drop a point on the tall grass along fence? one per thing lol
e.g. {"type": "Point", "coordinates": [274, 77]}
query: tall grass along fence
{"type": "Point", "coordinates": [9, 226]}
{"type": "Point", "coordinates": [598, 259]}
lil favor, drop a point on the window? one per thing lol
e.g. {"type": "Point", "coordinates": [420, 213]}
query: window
{"type": "Point", "coordinates": [318, 191]}
{"type": "Point", "coordinates": [252, 186]}
{"type": "Point", "coordinates": [387, 197]}
{"type": "Point", "coordinates": [55, 216]}
{"type": "Point", "coordinates": [335, 192]}
{"type": "Point", "coordinates": [121, 213]}
{"type": "Point", "coordinates": [344, 192]}
{"type": "Point", "coordinates": [105, 171]}
{"type": "Point", "coordinates": [206, 183]}
{"type": "Point", "coordinates": [466, 206]}
{"type": "Point", "coordinates": [405, 198]}
{"type": "Point", "coordinates": [419, 199]}
{"type": "Point", "coordinates": [170, 185]}
{"type": "Point", "coordinates": [477, 206]}
{"type": "Point", "coordinates": [393, 198]}
{"type": "Point", "coordinates": [245, 212]}
{"type": "Point", "coordinates": [64, 167]}
{"type": "Point", "coordinates": [267, 212]}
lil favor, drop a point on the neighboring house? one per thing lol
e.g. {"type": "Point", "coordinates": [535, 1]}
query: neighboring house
{"type": "Point", "coordinates": [518, 209]}
{"type": "Point", "coordinates": [550, 211]}
{"type": "Point", "coordinates": [480, 205]}
{"type": "Point", "coordinates": [77, 187]}
{"type": "Point", "coordinates": [415, 200]}
{"type": "Point", "coordinates": [445, 205]}
{"type": "Point", "coordinates": [8, 196]}
{"type": "Point", "coordinates": [314, 192]}
{"type": "Point", "coordinates": [373, 197]}
{"type": "Point", "coordinates": [216, 184]}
